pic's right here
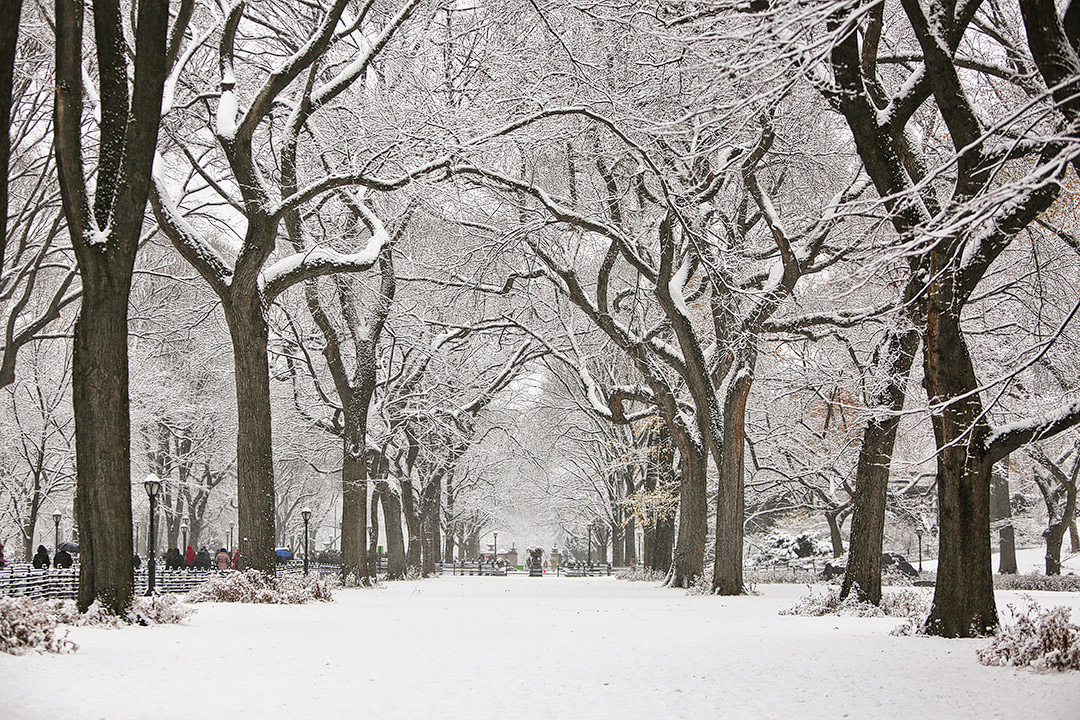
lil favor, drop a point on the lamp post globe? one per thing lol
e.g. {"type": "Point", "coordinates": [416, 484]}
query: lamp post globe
{"type": "Point", "coordinates": [306, 514]}
{"type": "Point", "coordinates": [153, 487]}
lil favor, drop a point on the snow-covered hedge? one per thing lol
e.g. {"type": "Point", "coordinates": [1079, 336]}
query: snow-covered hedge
{"type": "Point", "coordinates": [27, 626]}
{"type": "Point", "coordinates": [641, 573]}
{"type": "Point", "coordinates": [907, 603]}
{"type": "Point", "coordinates": [252, 586]}
{"type": "Point", "coordinates": [155, 610]}
{"type": "Point", "coordinates": [1038, 581]}
{"type": "Point", "coordinates": [1036, 638]}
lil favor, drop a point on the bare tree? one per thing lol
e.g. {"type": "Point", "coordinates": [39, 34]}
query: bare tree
{"type": "Point", "coordinates": [105, 227]}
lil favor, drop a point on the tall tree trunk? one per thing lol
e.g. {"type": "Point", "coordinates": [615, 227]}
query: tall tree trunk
{"type": "Point", "coordinates": [448, 552]}
{"type": "Point", "coordinates": [964, 594]}
{"type": "Point", "coordinates": [9, 43]}
{"type": "Point", "coordinates": [354, 511]}
{"type": "Point", "coordinates": [689, 560]}
{"type": "Point", "coordinates": [429, 524]}
{"type": "Point", "coordinates": [834, 518]}
{"type": "Point", "coordinates": [104, 234]}
{"type": "Point", "coordinates": [1001, 509]}
{"type": "Point", "coordinates": [1074, 536]}
{"type": "Point", "coordinates": [617, 539]}
{"type": "Point", "coordinates": [730, 499]}
{"type": "Point", "coordinates": [103, 439]}
{"type": "Point", "coordinates": [659, 540]}
{"type": "Point", "coordinates": [395, 540]}
{"type": "Point", "coordinates": [413, 556]}
{"type": "Point", "coordinates": [254, 446]}
{"type": "Point", "coordinates": [891, 368]}
{"type": "Point", "coordinates": [630, 530]}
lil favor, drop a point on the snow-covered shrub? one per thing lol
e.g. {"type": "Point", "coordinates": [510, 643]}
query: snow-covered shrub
{"type": "Point", "coordinates": [905, 603]}
{"type": "Point", "coordinates": [26, 625]}
{"type": "Point", "coordinates": [641, 573]}
{"type": "Point", "coordinates": [1041, 639]}
{"type": "Point", "coordinates": [155, 610]}
{"type": "Point", "coordinates": [778, 575]}
{"type": "Point", "coordinates": [909, 603]}
{"type": "Point", "coordinates": [1038, 581]}
{"type": "Point", "coordinates": [252, 586]}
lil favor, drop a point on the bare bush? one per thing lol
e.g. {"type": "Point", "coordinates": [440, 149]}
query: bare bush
{"type": "Point", "coordinates": [1038, 581]}
{"type": "Point", "coordinates": [28, 626]}
{"type": "Point", "coordinates": [641, 574]}
{"type": "Point", "coordinates": [1037, 638]}
{"type": "Point", "coordinates": [903, 603]}
{"type": "Point", "coordinates": [255, 587]}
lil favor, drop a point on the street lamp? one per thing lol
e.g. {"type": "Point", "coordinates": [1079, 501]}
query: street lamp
{"type": "Point", "coordinates": [306, 514]}
{"type": "Point", "coordinates": [231, 526]}
{"type": "Point", "coordinates": [495, 559]}
{"type": "Point", "coordinates": [153, 486]}
{"type": "Point", "coordinates": [918, 531]}
{"type": "Point", "coordinates": [184, 526]}
{"type": "Point", "coordinates": [56, 537]}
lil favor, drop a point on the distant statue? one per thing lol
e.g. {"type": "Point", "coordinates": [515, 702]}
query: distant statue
{"type": "Point", "coordinates": [536, 562]}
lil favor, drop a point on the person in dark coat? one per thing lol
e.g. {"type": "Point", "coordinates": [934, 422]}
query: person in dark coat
{"type": "Point", "coordinates": [41, 560]}
{"type": "Point", "coordinates": [2, 561]}
{"type": "Point", "coordinates": [222, 559]}
{"type": "Point", "coordinates": [136, 561]}
{"type": "Point", "coordinates": [202, 559]}
{"type": "Point", "coordinates": [173, 559]}
{"type": "Point", "coordinates": [189, 557]}
{"type": "Point", "coordinates": [62, 559]}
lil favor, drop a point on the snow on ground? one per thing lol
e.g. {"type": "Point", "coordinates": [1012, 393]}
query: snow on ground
{"type": "Point", "coordinates": [519, 647]}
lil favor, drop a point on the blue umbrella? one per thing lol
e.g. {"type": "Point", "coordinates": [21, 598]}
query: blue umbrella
{"type": "Point", "coordinates": [284, 553]}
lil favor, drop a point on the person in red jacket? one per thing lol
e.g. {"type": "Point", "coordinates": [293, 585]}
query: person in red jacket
{"type": "Point", "coordinates": [189, 557]}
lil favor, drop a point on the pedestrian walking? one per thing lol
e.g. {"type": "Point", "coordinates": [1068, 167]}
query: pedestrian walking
{"type": "Point", "coordinates": [62, 559]}
{"type": "Point", "coordinates": [41, 559]}
{"type": "Point", "coordinates": [222, 559]}
{"type": "Point", "coordinates": [189, 558]}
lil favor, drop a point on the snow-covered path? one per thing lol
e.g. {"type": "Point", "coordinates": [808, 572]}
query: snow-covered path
{"type": "Point", "coordinates": [521, 647]}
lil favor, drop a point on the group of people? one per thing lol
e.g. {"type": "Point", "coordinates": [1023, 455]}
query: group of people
{"type": "Point", "coordinates": [41, 560]}
{"type": "Point", "coordinates": [201, 560]}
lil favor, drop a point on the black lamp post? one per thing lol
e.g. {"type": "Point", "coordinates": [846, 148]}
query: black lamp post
{"type": "Point", "coordinates": [152, 485]}
{"type": "Point", "coordinates": [56, 536]}
{"type": "Point", "coordinates": [231, 526]}
{"type": "Point", "coordinates": [918, 531]}
{"type": "Point", "coordinates": [495, 559]}
{"type": "Point", "coordinates": [184, 528]}
{"type": "Point", "coordinates": [306, 514]}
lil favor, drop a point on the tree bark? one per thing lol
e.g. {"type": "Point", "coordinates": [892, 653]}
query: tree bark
{"type": "Point", "coordinates": [689, 559]}
{"type": "Point", "coordinates": [834, 518]}
{"type": "Point", "coordinates": [730, 501]}
{"type": "Point", "coordinates": [893, 364]}
{"type": "Point", "coordinates": [964, 595]}
{"type": "Point", "coordinates": [395, 541]}
{"type": "Point", "coordinates": [105, 238]}
{"type": "Point", "coordinates": [413, 556]}
{"type": "Point", "coordinates": [1001, 509]}
{"type": "Point", "coordinates": [254, 446]}
{"type": "Point", "coordinates": [354, 491]}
